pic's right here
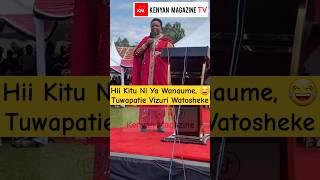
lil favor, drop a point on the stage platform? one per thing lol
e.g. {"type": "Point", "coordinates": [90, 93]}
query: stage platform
{"type": "Point", "coordinates": [135, 155]}
{"type": "Point", "coordinates": [140, 167]}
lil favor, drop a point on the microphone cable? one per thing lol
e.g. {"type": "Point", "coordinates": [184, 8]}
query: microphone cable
{"type": "Point", "coordinates": [177, 116]}
{"type": "Point", "coordinates": [232, 71]}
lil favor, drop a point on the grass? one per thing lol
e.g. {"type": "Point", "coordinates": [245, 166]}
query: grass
{"type": "Point", "coordinates": [54, 161]}
{"type": "Point", "coordinates": [123, 116]}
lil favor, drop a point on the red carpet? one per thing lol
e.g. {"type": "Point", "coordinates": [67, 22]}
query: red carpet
{"type": "Point", "coordinates": [132, 141]}
{"type": "Point", "coordinates": [307, 164]}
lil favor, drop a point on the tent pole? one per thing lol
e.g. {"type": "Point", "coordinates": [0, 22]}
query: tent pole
{"type": "Point", "coordinates": [40, 47]}
{"type": "Point", "coordinates": [122, 82]}
{"type": "Point", "coordinates": [41, 60]}
{"type": "Point", "coordinates": [122, 76]}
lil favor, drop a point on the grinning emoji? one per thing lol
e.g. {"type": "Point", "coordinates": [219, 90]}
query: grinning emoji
{"type": "Point", "coordinates": [204, 90]}
{"type": "Point", "coordinates": [303, 92]}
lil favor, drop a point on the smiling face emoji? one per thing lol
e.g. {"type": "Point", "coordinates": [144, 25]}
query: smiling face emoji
{"type": "Point", "coordinates": [204, 90]}
{"type": "Point", "coordinates": [303, 92]}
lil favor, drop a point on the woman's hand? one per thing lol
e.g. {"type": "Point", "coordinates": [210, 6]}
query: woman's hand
{"type": "Point", "coordinates": [141, 50]}
{"type": "Point", "coordinates": [157, 53]}
{"type": "Point", "coordinates": [149, 42]}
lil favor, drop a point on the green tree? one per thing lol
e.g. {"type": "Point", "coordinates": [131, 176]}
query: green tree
{"type": "Point", "coordinates": [122, 42]}
{"type": "Point", "coordinates": [175, 31]}
{"type": "Point", "coordinates": [125, 42]}
{"type": "Point", "coordinates": [118, 42]}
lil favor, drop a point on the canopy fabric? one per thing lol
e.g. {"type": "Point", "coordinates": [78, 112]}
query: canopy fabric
{"type": "Point", "coordinates": [116, 69]}
{"type": "Point", "coordinates": [198, 38]}
{"type": "Point", "coordinates": [19, 14]}
{"type": "Point", "coordinates": [46, 8]}
{"type": "Point", "coordinates": [128, 63]}
{"type": "Point", "coordinates": [127, 58]}
{"type": "Point", "coordinates": [115, 58]}
{"type": "Point", "coordinates": [25, 24]}
{"type": "Point", "coordinates": [54, 8]}
{"type": "Point", "coordinates": [16, 7]}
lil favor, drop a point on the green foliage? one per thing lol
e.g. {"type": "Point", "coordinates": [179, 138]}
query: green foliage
{"type": "Point", "coordinates": [122, 42]}
{"type": "Point", "coordinates": [175, 31]}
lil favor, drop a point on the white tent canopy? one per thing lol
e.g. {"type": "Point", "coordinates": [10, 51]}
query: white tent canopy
{"type": "Point", "coordinates": [15, 7]}
{"type": "Point", "coordinates": [198, 38]}
{"type": "Point", "coordinates": [20, 14]}
{"type": "Point", "coordinates": [115, 58]}
{"type": "Point", "coordinates": [25, 8]}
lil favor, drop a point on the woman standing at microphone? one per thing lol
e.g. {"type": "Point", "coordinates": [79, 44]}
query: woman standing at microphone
{"type": "Point", "coordinates": [150, 69]}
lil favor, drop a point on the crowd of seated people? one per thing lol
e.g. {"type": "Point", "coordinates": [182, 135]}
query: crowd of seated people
{"type": "Point", "coordinates": [18, 61]}
{"type": "Point", "coordinates": [57, 64]}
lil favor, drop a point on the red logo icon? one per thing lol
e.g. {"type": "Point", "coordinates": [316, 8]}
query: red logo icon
{"type": "Point", "coordinates": [141, 9]}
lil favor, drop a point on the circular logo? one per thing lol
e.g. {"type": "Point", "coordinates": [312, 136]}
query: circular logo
{"type": "Point", "coordinates": [302, 92]}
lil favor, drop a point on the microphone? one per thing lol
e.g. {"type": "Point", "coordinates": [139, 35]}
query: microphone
{"type": "Point", "coordinates": [153, 34]}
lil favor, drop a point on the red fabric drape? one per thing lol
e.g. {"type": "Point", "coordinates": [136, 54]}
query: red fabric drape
{"type": "Point", "coordinates": [89, 44]}
{"type": "Point", "coordinates": [89, 58]}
